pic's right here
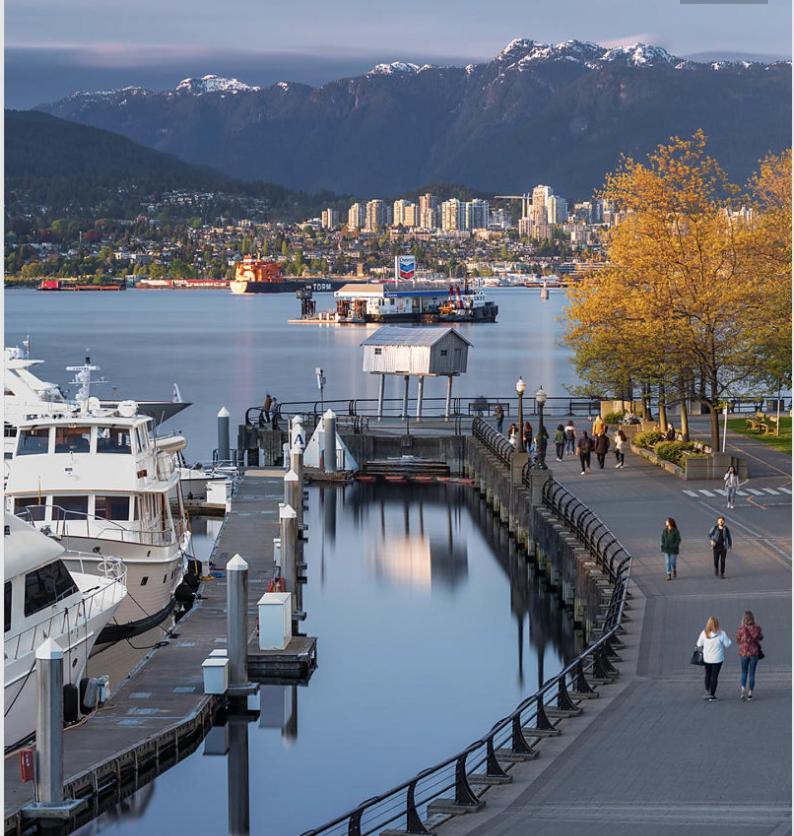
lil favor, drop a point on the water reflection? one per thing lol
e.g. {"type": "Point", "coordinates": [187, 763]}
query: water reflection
{"type": "Point", "coordinates": [418, 597]}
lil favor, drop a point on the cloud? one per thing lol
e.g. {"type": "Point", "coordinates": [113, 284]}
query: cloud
{"type": "Point", "coordinates": [640, 38]}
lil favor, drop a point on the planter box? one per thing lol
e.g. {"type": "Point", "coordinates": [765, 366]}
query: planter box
{"type": "Point", "coordinates": [696, 467]}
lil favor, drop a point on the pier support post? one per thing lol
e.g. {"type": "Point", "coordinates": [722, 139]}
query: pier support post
{"type": "Point", "coordinates": [296, 465]}
{"type": "Point", "coordinates": [449, 398]}
{"type": "Point", "coordinates": [223, 435]}
{"type": "Point", "coordinates": [329, 441]}
{"type": "Point", "coordinates": [405, 397]}
{"type": "Point", "coordinates": [289, 556]}
{"type": "Point", "coordinates": [49, 722]}
{"type": "Point", "coordinates": [420, 396]}
{"type": "Point", "coordinates": [381, 387]}
{"type": "Point", "coordinates": [237, 623]}
{"type": "Point", "coordinates": [237, 777]}
{"type": "Point", "coordinates": [297, 434]}
{"type": "Point", "coordinates": [292, 494]}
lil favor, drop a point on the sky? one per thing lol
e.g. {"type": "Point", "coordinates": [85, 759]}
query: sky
{"type": "Point", "coordinates": [54, 47]}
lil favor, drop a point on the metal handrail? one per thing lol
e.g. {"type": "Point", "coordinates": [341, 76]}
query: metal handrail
{"type": "Point", "coordinates": [494, 441]}
{"type": "Point", "coordinates": [513, 733]}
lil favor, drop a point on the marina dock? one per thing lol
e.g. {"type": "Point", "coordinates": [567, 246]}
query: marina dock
{"type": "Point", "coordinates": [159, 714]}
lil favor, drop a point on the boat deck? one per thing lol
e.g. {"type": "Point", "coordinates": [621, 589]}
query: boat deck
{"type": "Point", "coordinates": [159, 714]}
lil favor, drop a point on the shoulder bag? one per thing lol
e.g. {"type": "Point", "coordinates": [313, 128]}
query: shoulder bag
{"type": "Point", "coordinates": [697, 657]}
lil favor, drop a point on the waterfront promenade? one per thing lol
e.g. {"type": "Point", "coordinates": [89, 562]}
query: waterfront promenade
{"type": "Point", "coordinates": [651, 756]}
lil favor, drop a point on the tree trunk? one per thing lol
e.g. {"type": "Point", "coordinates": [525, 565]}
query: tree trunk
{"type": "Point", "coordinates": [684, 412]}
{"type": "Point", "coordinates": [662, 409]}
{"type": "Point", "coordinates": [646, 401]}
{"type": "Point", "coordinates": [714, 418]}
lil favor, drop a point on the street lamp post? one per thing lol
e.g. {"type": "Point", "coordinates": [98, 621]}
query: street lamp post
{"type": "Point", "coordinates": [540, 399]}
{"type": "Point", "coordinates": [521, 387]}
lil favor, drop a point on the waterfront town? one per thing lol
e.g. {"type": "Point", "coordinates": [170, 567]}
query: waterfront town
{"type": "Point", "coordinates": [505, 240]}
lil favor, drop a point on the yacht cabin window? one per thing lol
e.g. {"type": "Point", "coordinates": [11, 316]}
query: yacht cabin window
{"type": "Point", "coordinates": [30, 507]}
{"type": "Point", "coordinates": [113, 440]}
{"type": "Point", "coordinates": [112, 507]}
{"type": "Point", "coordinates": [32, 442]}
{"type": "Point", "coordinates": [9, 430]}
{"type": "Point", "coordinates": [73, 439]}
{"type": "Point", "coordinates": [74, 506]}
{"type": "Point", "coordinates": [47, 586]}
{"type": "Point", "coordinates": [7, 606]}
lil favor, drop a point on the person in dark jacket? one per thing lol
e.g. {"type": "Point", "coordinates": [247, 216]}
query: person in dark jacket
{"type": "Point", "coordinates": [671, 544]}
{"type": "Point", "coordinates": [583, 448]}
{"type": "Point", "coordinates": [527, 436]}
{"type": "Point", "coordinates": [500, 417]}
{"type": "Point", "coordinates": [601, 447]}
{"type": "Point", "coordinates": [749, 637]}
{"type": "Point", "coordinates": [266, 407]}
{"type": "Point", "coordinates": [559, 442]}
{"type": "Point", "coordinates": [720, 537]}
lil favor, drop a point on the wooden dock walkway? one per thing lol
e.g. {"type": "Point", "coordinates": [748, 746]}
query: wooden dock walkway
{"type": "Point", "coordinates": [160, 714]}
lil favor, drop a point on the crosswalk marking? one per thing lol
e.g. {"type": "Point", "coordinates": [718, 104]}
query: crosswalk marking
{"type": "Point", "coordinates": [786, 490]}
{"type": "Point", "coordinates": [700, 492]}
{"type": "Point", "coordinates": [754, 492]}
{"type": "Point", "coordinates": [772, 491]}
{"type": "Point", "coordinates": [705, 492]}
{"type": "Point", "coordinates": [690, 493]}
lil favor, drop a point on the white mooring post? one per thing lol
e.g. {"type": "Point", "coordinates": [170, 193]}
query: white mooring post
{"type": "Point", "coordinates": [292, 492]}
{"type": "Point", "coordinates": [289, 550]}
{"type": "Point", "coordinates": [329, 441]}
{"type": "Point", "coordinates": [49, 722]}
{"type": "Point", "coordinates": [237, 621]}
{"type": "Point", "coordinates": [420, 395]}
{"type": "Point", "coordinates": [381, 387]}
{"type": "Point", "coordinates": [449, 397]}
{"type": "Point", "coordinates": [223, 435]}
{"type": "Point", "coordinates": [405, 398]}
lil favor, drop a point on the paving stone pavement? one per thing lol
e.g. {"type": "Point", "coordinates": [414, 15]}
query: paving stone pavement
{"type": "Point", "coordinates": [657, 758]}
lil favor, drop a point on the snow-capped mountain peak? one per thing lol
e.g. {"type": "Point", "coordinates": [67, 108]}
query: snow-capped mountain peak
{"type": "Point", "coordinates": [639, 55]}
{"type": "Point", "coordinates": [214, 84]}
{"type": "Point", "coordinates": [395, 68]}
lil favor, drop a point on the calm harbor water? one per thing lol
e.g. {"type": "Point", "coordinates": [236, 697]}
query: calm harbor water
{"type": "Point", "coordinates": [229, 350]}
{"type": "Point", "coordinates": [430, 629]}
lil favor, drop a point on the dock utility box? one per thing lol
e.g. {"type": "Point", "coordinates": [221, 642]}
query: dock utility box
{"type": "Point", "coordinates": [216, 674]}
{"type": "Point", "coordinates": [275, 620]}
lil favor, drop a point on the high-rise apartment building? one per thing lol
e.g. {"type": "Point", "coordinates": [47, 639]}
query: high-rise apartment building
{"type": "Point", "coordinates": [405, 213]}
{"type": "Point", "coordinates": [356, 216]}
{"type": "Point", "coordinates": [556, 209]}
{"type": "Point", "coordinates": [375, 216]}
{"type": "Point", "coordinates": [453, 215]}
{"type": "Point", "coordinates": [330, 218]}
{"type": "Point", "coordinates": [476, 214]}
{"type": "Point", "coordinates": [540, 196]}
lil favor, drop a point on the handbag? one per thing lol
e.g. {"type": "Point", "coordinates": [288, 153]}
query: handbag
{"type": "Point", "coordinates": [697, 657]}
{"type": "Point", "coordinates": [760, 653]}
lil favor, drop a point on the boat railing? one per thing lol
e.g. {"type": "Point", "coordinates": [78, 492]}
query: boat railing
{"type": "Point", "coordinates": [75, 617]}
{"type": "Point", "coordinates": [65, 523]}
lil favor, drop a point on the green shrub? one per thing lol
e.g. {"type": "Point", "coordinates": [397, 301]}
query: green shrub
{"type": "Point", "coordinates": [613, 417]}
{"type": "Point", "coordinates": [673, 451]}
{"type": "Point", "coordinates": [648, 438]}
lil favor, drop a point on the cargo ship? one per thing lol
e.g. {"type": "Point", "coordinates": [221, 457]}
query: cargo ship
{"type": "Point", "coordinates": [359, 304]}
{"type": "Point", "coordinates": [260, 275]}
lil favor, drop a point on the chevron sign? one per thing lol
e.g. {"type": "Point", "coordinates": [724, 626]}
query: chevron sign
{"type": "Point", "coordinates": [405, 267]}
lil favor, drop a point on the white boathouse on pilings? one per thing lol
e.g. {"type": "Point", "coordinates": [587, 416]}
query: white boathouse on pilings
{"type": "Point", "coordinates": [415, 352]}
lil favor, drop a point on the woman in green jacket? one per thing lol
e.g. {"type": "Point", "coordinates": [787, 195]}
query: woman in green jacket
{"type": "Point", "coordinates": [671, 542]}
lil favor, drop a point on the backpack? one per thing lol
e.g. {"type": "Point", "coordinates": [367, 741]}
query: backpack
{"type": "Point", "coordinates": [584, 445]}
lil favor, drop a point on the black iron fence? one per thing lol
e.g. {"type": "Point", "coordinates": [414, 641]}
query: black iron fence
{"type": "Point", "coordinates": [493, 440]}
{"type": "Point", "coordinates": [452, 783]}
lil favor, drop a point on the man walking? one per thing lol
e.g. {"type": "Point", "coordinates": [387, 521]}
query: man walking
{"type": "Point", "coordinates": [720, 537]}
{"type": "Point", "coordinates": [583, 449]}
{"type": "Point", "coordinates": [570, 437]}
{"type": "Point", "coordinates": [500, 417]}
{"type": "Point", "coordinates": [266, 406]}
{"type": "Point", "coordinates": [601, 447]}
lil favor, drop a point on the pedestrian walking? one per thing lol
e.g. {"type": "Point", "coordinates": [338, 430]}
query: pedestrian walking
{"type": "Point", "coordinates": [266, 407]}
{"type": "Point", "coordinates": [542, 439]}
{"type": "Point", "coordinates": [749, 637]}
{"type": "Point", "coordinates": [721, 541]}
{"type": "Point", "coordinates": [731, 479]}
{"type": "Point", "coordinates": [534, 452]}
{"type": "Point", "coordinates": [713, 641]}
{"type": "Point", "coordinates": [620, 447]}
{"type": "Point", "coordinates": [671, 544]}
{"type": "Point", "coordinates": [598, 426]}
{"type": "Point", "coordinates": [500, 417]}
{"type": "Point", "coordinates": [570, 437]}
{"type": "Point", "coordinates": [559, 442]}
{"type": "Point", "coordinates": [601, 447]}
{"type": "Point", "coordinates": [512, 435]}
{"type": "Point", "coordinates": [583, 448]}
{"type": "Point", "coordinates": [527, 436]}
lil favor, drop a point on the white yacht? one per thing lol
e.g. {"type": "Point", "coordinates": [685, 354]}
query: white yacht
{"type": "Point", "coordinates": [97, 481]}
{"type": "Point", "coordinates": [45, 599]}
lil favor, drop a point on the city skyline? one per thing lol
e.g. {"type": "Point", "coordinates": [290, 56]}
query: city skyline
{"type": "Point", "coordinates": [51, 51]}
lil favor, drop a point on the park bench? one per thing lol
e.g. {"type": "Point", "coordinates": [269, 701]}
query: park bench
{"type": "Point", "coordinates": [761, 423]}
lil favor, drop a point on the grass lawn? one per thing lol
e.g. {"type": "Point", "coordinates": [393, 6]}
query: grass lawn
{"type": "Point", "coordinates": [781, 442]}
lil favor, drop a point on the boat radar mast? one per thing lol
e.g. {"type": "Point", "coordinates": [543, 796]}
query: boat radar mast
{"type": "Point", "coordinates": [82, 378]}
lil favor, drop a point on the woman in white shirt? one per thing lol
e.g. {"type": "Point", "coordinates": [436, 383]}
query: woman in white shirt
{"type": "Point", "coordinates": [731, 486]}
{"type": "Point", "coordinates": [713, 640]}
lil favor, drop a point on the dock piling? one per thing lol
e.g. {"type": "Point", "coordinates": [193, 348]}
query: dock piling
{"type": "Point", "coordinates": [329, 441]}
{"type": "Point", "coordinates": [224, 446]}
{"type": "Point", "coordinates": [49, 723]}
{"type": "Point", "coordinates": [237, 624]}
{"type": "Point", "coordinates": [289, 553]}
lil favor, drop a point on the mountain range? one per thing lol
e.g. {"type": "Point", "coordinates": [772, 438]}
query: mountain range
{"type": "Point", "coordinates": [555, 113]}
